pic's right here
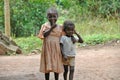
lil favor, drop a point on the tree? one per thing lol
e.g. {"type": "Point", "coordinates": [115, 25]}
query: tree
{"type": "Point", "coordinates": [7, 18]}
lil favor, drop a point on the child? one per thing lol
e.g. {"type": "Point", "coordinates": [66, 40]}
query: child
{"type": "Point", "coordinates": [68, 48]}
{"type": "Point", "coordinates": [51, 58]}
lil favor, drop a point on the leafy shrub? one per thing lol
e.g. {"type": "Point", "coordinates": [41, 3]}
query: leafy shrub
{"type": "Point", "coordinates": [27, 16]}
{"type": "Point", "coordinates": [100, 38]}
{"type": "Point", "coordinates": [31, 43]}
{"type": "Point", "coordinates": [28, 44]}
{"type": "Point", "coordinates": [1, 16]}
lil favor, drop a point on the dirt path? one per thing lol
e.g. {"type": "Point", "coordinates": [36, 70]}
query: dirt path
{"type": "Point", "coordinates": [92, 63]}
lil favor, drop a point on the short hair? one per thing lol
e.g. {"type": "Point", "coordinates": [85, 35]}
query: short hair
{"type": "Point", "coordinates": [52, 10]}
{"type": "Point", "coordinates": [68, 24]}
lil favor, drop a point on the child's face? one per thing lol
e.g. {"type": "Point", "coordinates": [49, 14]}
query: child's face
{"type": "Point", "coordinates": [69, 31]}
{"type": "Point", "coordinates": [52, 17]}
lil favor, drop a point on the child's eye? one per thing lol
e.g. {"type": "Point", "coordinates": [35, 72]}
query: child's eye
{"type": "Point", "coordinates": [52, 16]}
{"type": "Point", "coordinates": [49, 16]}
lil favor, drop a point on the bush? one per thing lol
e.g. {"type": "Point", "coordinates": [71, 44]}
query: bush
{"type": "Point", "coordinates": [27, 17]}
{"type": "Point", "coordinates": [28, 44]}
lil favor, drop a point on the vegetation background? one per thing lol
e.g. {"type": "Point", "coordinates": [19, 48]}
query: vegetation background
{"type": "Point", "coordinates": [97, 21]}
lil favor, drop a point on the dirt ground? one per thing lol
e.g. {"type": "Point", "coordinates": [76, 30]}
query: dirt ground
{"type": "Point", "coordinates": [100, 62]}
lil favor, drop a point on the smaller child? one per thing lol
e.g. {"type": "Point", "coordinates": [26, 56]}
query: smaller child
{"type": "Point", "coordinates": [67, 44]}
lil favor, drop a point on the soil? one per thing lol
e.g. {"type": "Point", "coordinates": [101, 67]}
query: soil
{"type": "Point", "coordinates": [101, 62]}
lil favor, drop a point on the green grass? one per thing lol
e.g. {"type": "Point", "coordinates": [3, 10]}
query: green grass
{"type": "Point", "coordinates": [98, 26]}
{"type": "Point", "coordinates": [96, 31]}
{"type": "Point", "coordinates": [100, 38]}
{"type": "Point", "coordinates": [93, 31]}
{"type": "Point", "coordinates": [28, 44]}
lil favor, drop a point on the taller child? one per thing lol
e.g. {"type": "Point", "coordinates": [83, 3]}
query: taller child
{"type": "Point", "coordinates": [50, 33]}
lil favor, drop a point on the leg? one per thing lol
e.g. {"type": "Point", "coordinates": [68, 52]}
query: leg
{"type": "Point", "coordinates": [71, 73]}
{"type": "Point", "coordinates": [65, 72]}
{"type": "Point", "coordinates": [56, 76]}
{"type": "Point", "coordinates": [47, 76]}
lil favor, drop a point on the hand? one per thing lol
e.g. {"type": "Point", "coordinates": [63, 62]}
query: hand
{"type": "Point", "coordinates": [54, 25]}
{"type": "Point", "coordinates": [75, 32]}
{"type": "Point", "coordinates": [73, 39]}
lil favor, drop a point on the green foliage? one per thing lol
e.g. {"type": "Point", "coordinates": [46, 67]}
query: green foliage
{"type": "Point", "coordinates": [100, 38]}
{"type": "Point", "coordinates": [66, 3]}
{"type": "Point", "coordinates": [31, 43]}
{"type": "Point", "coordinates": [98, 26]}
{"type": "Point", "coordinates": [28, 44]}
{"type": "Point", "coordinates": [27, 16]}
{"type": "Point", "coordinates": [1, 16]}
{"type": "Point", "coordinates": [94, 39]}
{"type": "Point", "coordinates": [110, 8]}
{"type": "Point", "coordinates": [98, 31]}
{"type": "Point", "coordinates": [84, 8]}
{"type": "Point", "coordinates": [97, 21]}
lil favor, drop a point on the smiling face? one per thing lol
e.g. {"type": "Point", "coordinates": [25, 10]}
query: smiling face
{"type": "Point", "coordinates": [69, 28]}
{"type": "Point", "coordinates": [69, 31]}
{"type": "Point", "coordinates": [52, 17]}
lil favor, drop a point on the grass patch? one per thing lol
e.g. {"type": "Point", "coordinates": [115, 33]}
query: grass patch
{"type": "Point", "coordinates": [93, 31]}
{"type": "Point", "coordinates": [98, 26]}
{"type": "Point", "coordinates": [28, 44]}
{"type": "Point", "coordinates": [97, 31]}
{"type": "Point", "coordinates": [100, 38]}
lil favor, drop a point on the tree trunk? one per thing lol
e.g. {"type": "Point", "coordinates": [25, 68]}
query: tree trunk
{"type": "Point", "coordinates": [7, 18]}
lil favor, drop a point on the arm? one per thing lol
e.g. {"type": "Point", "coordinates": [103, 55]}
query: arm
{"type": "Point", "coordinates": [61, 47]}
{"type": "Point", "coordinates": [80, 39]}
{"type": "Point", "coordinates": [46, 33]}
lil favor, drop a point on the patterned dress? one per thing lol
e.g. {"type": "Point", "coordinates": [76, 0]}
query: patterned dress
{"type": "Point", "coordinates": [51, 58]}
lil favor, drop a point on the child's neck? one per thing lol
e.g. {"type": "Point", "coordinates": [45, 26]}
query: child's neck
{"type": "Point", "coordinates": [68, 36]}
{"type": "Point", "coordinates": [51, 24]}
